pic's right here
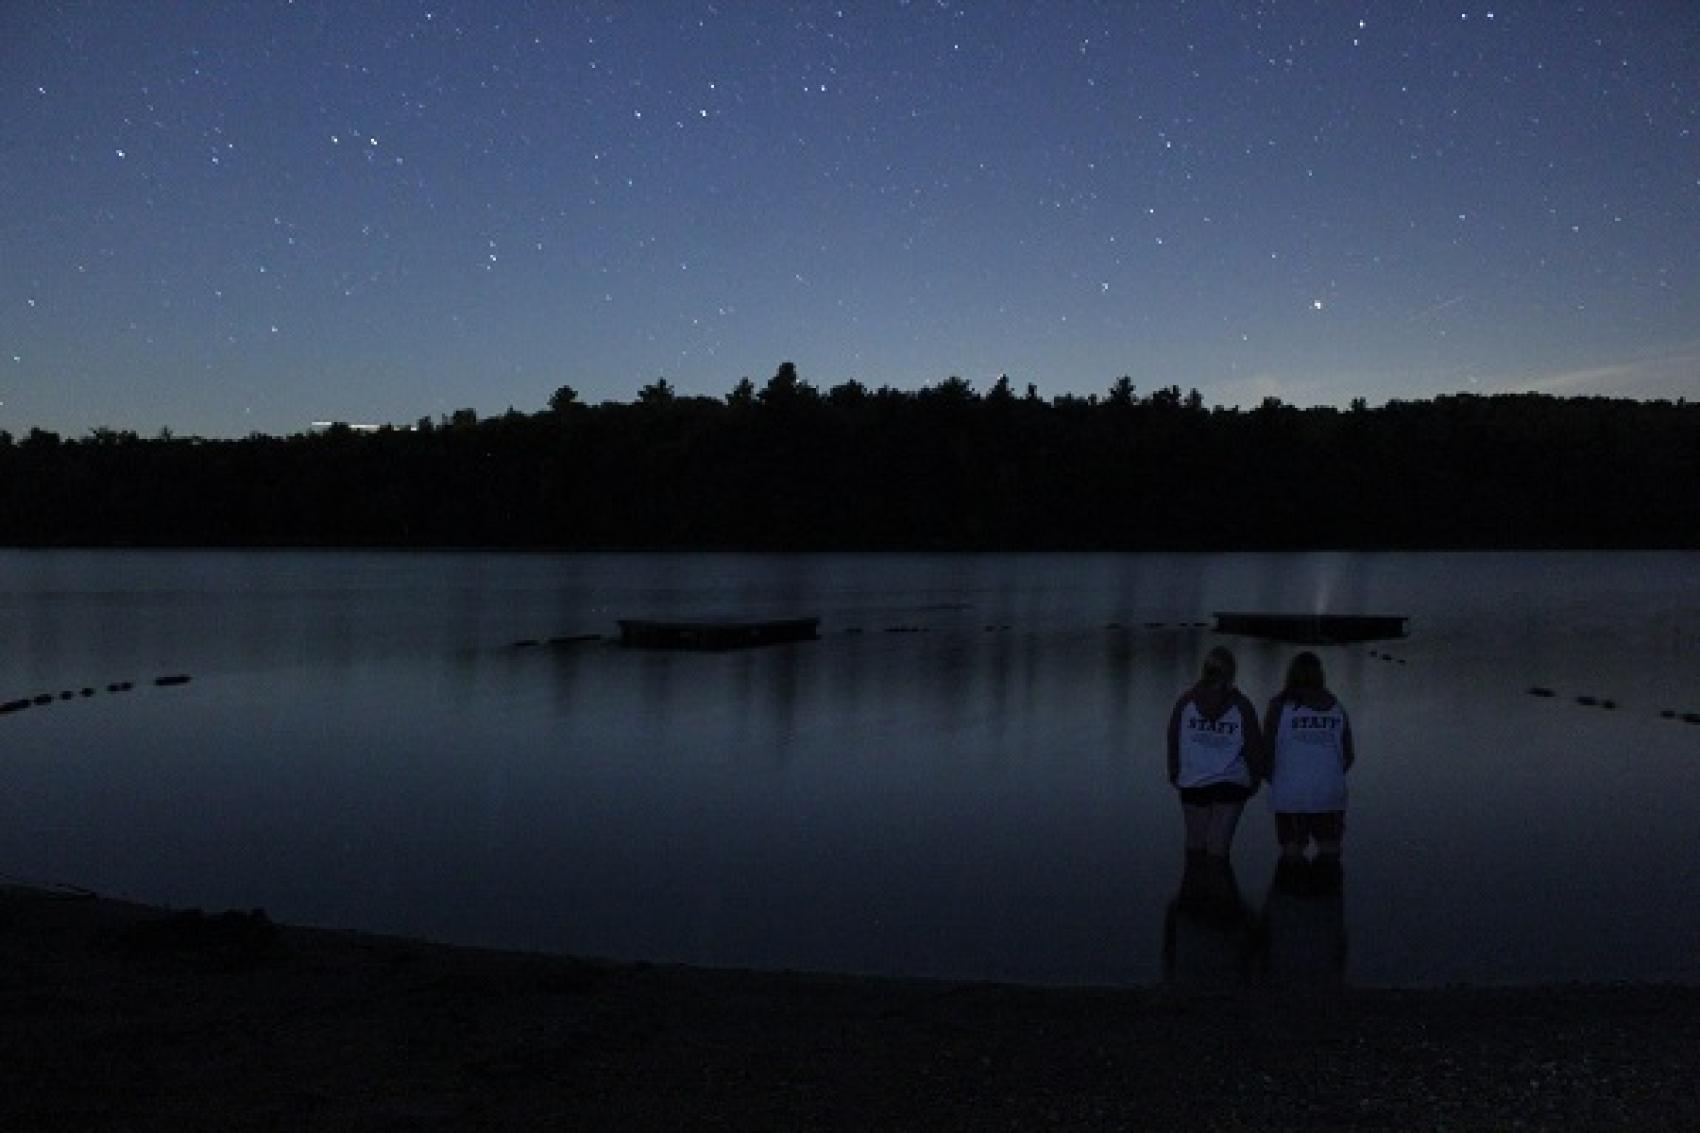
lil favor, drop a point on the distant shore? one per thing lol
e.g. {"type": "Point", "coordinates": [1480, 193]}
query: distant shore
{"type": "Point", "coordinates": [948, 468]}
{"type": "Point", "coordinates": [126, 1016]}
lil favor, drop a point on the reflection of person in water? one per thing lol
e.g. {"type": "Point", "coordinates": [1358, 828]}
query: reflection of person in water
{"type": "Point", "coordinates": [1208, 931]}
{"type": "Point", "coordinates": [1310, 751]}
{"type": "Point", "coordinates": [1214, 748]}
{"type": "Point", "coordinates": [1301, 938]}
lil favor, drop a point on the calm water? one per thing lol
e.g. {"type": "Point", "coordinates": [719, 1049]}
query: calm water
{"type": "Point", "coordinates": [364, 745]}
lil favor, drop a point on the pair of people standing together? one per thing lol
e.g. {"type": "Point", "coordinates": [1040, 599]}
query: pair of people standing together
{"type": "Point", "coordinates": [1218, 754]}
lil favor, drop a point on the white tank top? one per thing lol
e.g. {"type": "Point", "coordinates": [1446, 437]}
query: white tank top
{"type": "Point", "coordinates": [1310, 763]}
{"type": "Point", "coordinates": [1212, 751]}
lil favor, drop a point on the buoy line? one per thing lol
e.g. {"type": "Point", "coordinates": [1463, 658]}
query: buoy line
{"type": "Point", "coordinates": [86, 692]}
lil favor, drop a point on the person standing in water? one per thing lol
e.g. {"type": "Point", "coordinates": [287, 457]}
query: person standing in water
{"type": "Point", "coordinates": [1310, 751]}
{"type": "Point", "coordinates": [1215, 751]}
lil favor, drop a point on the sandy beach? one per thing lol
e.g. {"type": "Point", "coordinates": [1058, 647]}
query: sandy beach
{"type": "Point", "coordinates": [122, 1016]}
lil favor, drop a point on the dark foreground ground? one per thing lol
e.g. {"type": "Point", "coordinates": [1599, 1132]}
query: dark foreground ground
{"type": "Point", "coordinates": [116, 1016]}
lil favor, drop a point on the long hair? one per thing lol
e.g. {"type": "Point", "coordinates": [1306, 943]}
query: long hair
{"type": "Point", "coordinates": [1304, 673]}
{"type": "Point", "coordinates": [1219, 668]}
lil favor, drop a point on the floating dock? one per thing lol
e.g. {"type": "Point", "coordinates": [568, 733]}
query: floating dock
{"type": "Point", "coordinates": [1314, 629]}
{"type": "Point", "coordinates": [715, 634]}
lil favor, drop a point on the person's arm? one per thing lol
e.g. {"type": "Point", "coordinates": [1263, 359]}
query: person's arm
{"type": "Point", "coordinates": [1271, 725]}
{"type": "Point", "coordinates": [1348, 754]}
{"type": "Point", "coordinates": [1255, 755]}
{"type": "Point", "coordinates": [1175, 740]}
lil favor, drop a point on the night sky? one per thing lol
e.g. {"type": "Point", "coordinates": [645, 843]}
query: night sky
{"type": "Point", "coordinates": [232, 217]}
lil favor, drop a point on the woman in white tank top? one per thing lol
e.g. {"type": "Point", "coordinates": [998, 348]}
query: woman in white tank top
{"type": "Point", "coordinates": [1215, 749]}
{"type": "Point", "coordinates": [1310, 751]}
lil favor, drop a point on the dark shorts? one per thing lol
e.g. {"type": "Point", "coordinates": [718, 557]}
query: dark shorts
{"type": "Point", "coordinates": [1214, 794]}
{"type": "Point", "coordinates": [1329, 826]}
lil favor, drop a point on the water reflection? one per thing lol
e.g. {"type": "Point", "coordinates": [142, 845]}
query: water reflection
{"type": "Point", "coordinates": [1302, 931]}
{"type": "Point", "coordinates": [953, 802]}
{"type": "Point", "coordinates": [1213, 940]}
{"type": "Point", "coordinates": [1209, 932]}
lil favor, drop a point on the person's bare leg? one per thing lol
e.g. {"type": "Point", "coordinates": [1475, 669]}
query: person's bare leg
{"type": "Point", "coordinates": [1335, 829]}
{"type": "Point", "coordinates": [1224, 820]}
{"type": "Point", "coordinates": [1292, 841]}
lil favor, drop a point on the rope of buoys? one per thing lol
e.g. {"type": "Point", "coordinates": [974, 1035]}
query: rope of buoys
{"type": "Point", "coordinates": [1585, 699]}
{"type": "Point", "coordinates": [87, 692]}
{"type": "Point", "coordinates": [1588, 700]}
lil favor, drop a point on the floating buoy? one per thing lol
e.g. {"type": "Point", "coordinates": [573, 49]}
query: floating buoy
{"type": "Point", "coordinates": [1668, 713]}
{"type": "Point", "coordinates": [14, 706]}
{"type": "Point", "coordinates": [68, 694]}
{"type": "Point", "coordinates": [44, 698]}
{"type": "Point", "coordinates": [526, 644]}
{"type": "Point", "coordinates": [1588, 700]}
{"type": "Point", "coordinates": [1691, 717]}
{"type": "Point", "coordinates": [1608, 703]}
{"type": "Point", "coordinates": [573, 639]}
{"type": "Point", "coordinates": [88, 692]}
{"type": "Point", "coordinates": [1539, 690]}
{"type": "Point", "coordinates": [179, 679]}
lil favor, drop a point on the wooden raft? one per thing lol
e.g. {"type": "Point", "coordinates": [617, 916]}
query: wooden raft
{"type": "Point", "coordinates": [718, 634]}
{"type": "Point", "coordinates": [1314, 629]}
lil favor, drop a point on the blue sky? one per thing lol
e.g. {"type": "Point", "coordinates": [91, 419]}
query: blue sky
{"type": "Point", "coordinates": [229, 217]}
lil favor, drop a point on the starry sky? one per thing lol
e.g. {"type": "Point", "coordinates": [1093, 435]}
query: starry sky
{"type": "Point", "coordinates": [228, 217]}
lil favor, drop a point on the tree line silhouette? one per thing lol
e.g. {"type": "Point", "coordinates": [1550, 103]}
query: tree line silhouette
{"type": "Point", "coordinates": [787, 466]}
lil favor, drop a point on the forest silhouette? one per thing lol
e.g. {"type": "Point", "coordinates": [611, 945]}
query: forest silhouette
{"type": "Point", "coordinates": [787, 466]}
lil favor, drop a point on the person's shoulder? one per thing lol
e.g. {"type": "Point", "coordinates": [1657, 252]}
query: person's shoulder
{"type": "Point", "coordinates": [1244, 702]}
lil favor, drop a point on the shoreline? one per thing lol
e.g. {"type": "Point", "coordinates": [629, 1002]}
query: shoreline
{"type": "Point", "coordinates": [121, 1015]}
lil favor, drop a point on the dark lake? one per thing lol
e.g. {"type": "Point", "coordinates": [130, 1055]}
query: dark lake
{"type": "Point", "coordinates": [363, 744]}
